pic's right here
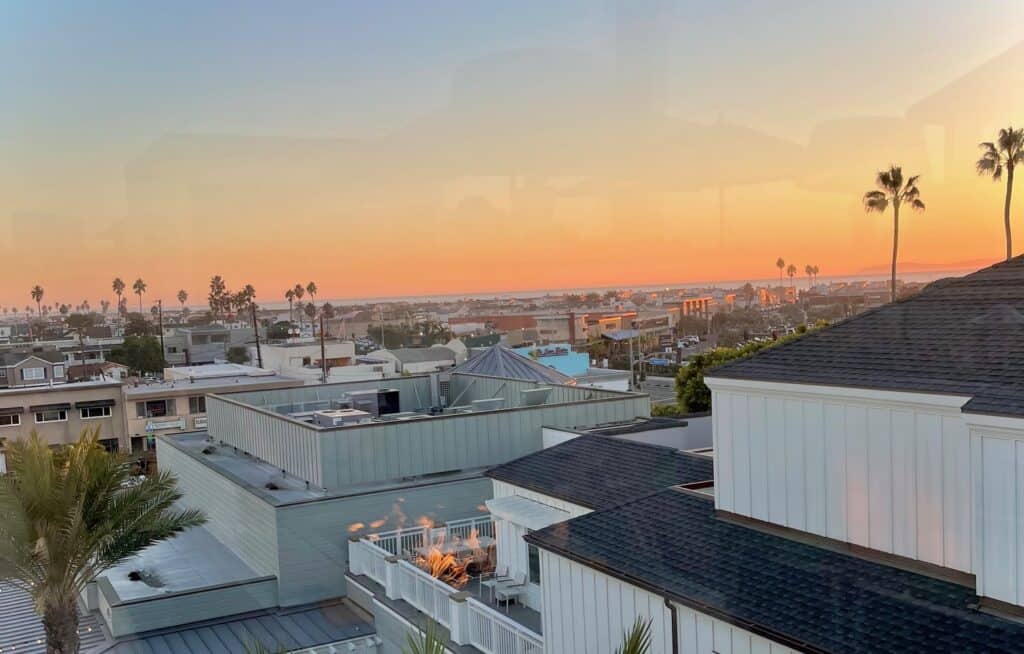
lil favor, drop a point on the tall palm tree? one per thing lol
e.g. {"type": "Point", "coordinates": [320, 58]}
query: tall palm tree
{"type": "Point", "coordinates": [815, 269]}
{"type": "Point", "coordinates": [118, 286]}
{"type": "Point", "coordinates": [299, 292]}
{"type": "Point", "coordinates": [312, 290]}
{"type": "Point", "coordinates": [290, 296]}
{"type": "Point", "coordinates": [69, 514]}
{"type": "Point", "coordinates": [780, 263]}
{"type": "Point", "coordinates": [791, 271]}
{"type": "Point", "coordinates": [809, 271]}
{"type": "Point", "coordinates": [182, 299]}
{"type": "Point", "coordinates": [37, 295]}
{"type": "Point", "coordinates": [139, 287]}
{"type": "Point", "coordinates": [893, 190]}
{"type": "Point", "coordinates": [1006, 152]}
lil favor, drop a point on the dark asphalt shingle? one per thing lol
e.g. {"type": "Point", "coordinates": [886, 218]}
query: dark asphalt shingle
{"type": "Point", "coordinates": [808, 597]}
{"type": "Point", "coordinates": [959, 336]}
{"type": "Point", "coordinates": [600, 472]}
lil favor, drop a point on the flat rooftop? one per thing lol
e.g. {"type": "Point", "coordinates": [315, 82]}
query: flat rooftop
{"type": "Point", "coordinates": [224, 384]}
{"type": "Point", "coordinates": [190, 561]}
{"type": "Point", "coordinates": [254, 474]}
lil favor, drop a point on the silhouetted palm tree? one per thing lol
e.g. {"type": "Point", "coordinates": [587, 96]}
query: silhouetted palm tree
{"type": "Point", "coordinates": [312, 290]}
{"type": "Point", "coordinates": [1005, 153]}
{"type": "Point", "coordinates": [299, 292]}
{"type": "Point", "coordinates": [139, 287]}
{"type": "Point", "coordinates": [809, 271]}
{"type": "Point", "coordinates": [892, 190]}
{"type": "Point", "coordinates": [182, 298]}
{"type": "Point", "coordinates": [791, 271]}
{"type": "Point", "coordinates": [37, 295]}
{"type": "Point", "coordinates": [290, 296]}
{"type": "Point", "coordinates": [780, 263]}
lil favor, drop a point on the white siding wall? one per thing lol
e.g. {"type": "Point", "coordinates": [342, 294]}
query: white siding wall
{"type": "Point", "coordinates": [588, 611]}
{"type": "Point", "coordinates": [997, 454]}
{"type": "Point", "coordinates": [512, 549]}
{"type": "Point", "coordinates": [889, 471]}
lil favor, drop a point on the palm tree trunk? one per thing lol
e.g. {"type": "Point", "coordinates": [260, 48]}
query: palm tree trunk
{"type": "Point", "coordinates": [61, 625]}
{"type": "Point", "coordinates": [895, 249]}
{"type": "Point", "coordinates": [1006, 212]}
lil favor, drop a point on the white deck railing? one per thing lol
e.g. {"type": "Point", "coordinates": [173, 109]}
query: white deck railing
{"type": "Point", "coordinates": [493, 633]}
{"type": "Point", "coordinates": [380, 557]}
{"type": "Point", "coordinates": [403, 542]}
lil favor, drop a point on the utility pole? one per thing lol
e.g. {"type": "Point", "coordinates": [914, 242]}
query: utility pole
{"type": "Point", "coordinates": [160, 326]}
{"type": "Point", "coordinates": [256, 333]}
{"type": "Point", "coordinates": [323, 350]}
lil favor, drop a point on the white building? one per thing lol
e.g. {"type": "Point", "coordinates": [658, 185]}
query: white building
{"type": "Point", "coordinates": [866, 487]}
{"type": "Point", "coordinates": [302, 358]}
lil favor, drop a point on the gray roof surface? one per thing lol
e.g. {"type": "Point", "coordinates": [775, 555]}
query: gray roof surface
{"type": "Point", "coordinates": [810, 598]}
{"type": "Point", "coordinates": [423, 354]}
{"type": "Point", "coordinates": [500, 361]}
{"type": "Point", "coordinates": [294, 629]}
{"type": "Point", "coordinates": [21, 630]}
{"type": "Point", "coordinates": [958, 336]}
{"type": "Point", "coordinates": [14, 358]}
{"type": "Point", "coordinates": [599, 472]}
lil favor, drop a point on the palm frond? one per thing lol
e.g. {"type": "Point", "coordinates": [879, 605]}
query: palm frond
{"type": "Point", "coordinates": [875, 201]}
{"type": "Point", "coordinates": [426, 642]}
{"type": "Point", "coordinates": [637, 640]}
{"type": "Point", "coordinates": [917, 205]}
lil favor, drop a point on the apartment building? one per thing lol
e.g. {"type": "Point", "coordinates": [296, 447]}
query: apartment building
{"type": "Point", "coordinates": [60, 412]}
{"type": "Point", "coordinates": [178, 402]}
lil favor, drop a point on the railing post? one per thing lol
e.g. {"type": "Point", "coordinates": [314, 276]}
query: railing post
{"type": "Point", "coordinates": [459, 629]}
{"type": "Point", "coordinates": [392, 579]}
{"type": "Point", "coordinates": [355, 556]}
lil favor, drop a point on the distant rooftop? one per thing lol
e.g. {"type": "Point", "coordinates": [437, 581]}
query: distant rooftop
{"type": "Point", "coordinates": [222, 384]}
{"type": "Point", "coordinates": [215, 370]}
{"type": "Point", "coordinates": [500, 361]}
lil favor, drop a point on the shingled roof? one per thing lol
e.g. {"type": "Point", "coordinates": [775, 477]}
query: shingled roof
{"type": "Point", "coordinates": [599, 472]}
{"type": "Point", "coordinates": [806, 597]}
{"type": "Point", "coordinates": [500, 361]}
{"type": "Point", "coordinates": [958, 336]}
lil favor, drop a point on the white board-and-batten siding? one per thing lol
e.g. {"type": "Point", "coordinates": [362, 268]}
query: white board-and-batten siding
{"type": "Point", "coordinates": [883, 470]}
{"type": "Point", "coordinates": [997, 457]}
{"type": "Point", "coordinates": [589, 611]}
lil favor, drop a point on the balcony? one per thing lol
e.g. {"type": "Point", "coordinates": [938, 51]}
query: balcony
{"type": "Point", "coordinates": [468, 612]}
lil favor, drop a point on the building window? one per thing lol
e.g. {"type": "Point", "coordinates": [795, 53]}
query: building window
{"type": "Point", "coordinates": [197, 404]}
{"type": "Point", "coordinates": [56, 415]}
{"type": "Point", "coordinates": [533, 554]}
{"type": "Point", "coordinates": [154, 408]}
{"type": "Point", "coordinates": [110, 444]}
{"type": "Point", "coordinates": [10, 421]}
{"type": "Point", "coordinates": [58, 370]}
{"type": "Point", "coordinates": [3, 373]}
{"type": "Point", "coordinates": [88, 413]}
{"type": "Point", "coordinates": [33, 374]}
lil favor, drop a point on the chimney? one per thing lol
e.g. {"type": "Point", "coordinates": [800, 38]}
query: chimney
{"type": "Point", "coordinates": [572, 328]}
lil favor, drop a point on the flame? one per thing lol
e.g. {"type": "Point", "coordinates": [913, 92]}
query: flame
{"type": "Point", "coordinates": [355, 526]}
{"type": "Point", "coordinates": [456, 561]}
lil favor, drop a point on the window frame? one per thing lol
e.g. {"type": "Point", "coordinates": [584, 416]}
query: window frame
{"type": "Point", "coordinates": [105, 412]}
{"type": "Point", "coordinates": [42, 373]}
{"type": "Point", "coordinates": [196, 404]}
{"type": "Point", "coordinates": [15, 420]}
{"type": "Point", "coordinates": [62, 412]}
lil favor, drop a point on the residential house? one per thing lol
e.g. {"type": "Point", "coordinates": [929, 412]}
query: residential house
{"type": "Point", "coordinates": [203, 343]}
{"type": "Point", "coordinates": [36, 368]}
{"type": "Point", "coordinates": [416, 360]}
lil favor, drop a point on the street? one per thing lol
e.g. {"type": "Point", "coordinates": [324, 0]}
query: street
{"type": "Point", "coordinates": [661, 389]}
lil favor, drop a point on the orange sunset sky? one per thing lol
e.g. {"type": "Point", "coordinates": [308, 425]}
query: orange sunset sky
{"type": "Point", "coordinates": [415, 148]}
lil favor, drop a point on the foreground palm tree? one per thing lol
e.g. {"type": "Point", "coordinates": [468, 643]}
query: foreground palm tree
{"type": "Point", "coordinates": [1006, 152]}
{"type": "Point", "coordinates": [428, 641]}
{"type": "Point", "coordinates": [69, 514]}
{"type": "Point", "coordinates": [892, 190]}
{"type": "Point", "coordinates": [37, 295]}
{"type": "Point", "coordinates": [637, 640]}
{"type": "Point", "coordinates": [139, 287]}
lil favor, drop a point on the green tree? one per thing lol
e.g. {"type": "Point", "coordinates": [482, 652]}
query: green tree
{"type": "Point", "coordinates": [238, 354]}
{"type": "Point", "coordinates": [69, 514]}
{"type": "Point", "coordinates": [428, 641]}
{"type": "Point", "coordinates": [893, 190]}
{"type": "Point", "coordinates": [637, 640]}
{"type": "Point", "coordinates": [136, 324]}
{"type": "Point", "coordinates": [1005, 153]}
{"type": "Point", "coordinates": [81, 321]}
{"type": "Point", "coordinates": [139, 287]}
{"type": "Point", "coordinates": [140, 353]}
{"type": "Point", "coordinates": [37, 293]}
{"type": "Point", "coordinates": [219, 298]}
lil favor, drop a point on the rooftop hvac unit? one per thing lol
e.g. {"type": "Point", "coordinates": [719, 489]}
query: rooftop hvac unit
{"type": "Point", "coordinates": [341, 404]}
{"type": "Point", "coordinates": [365, 401]}
{"type": "Point", "coordinates": [534, 396]}
{"type": "Point", "coordinates": [489, 404]}
{"type": "Point", "coordinates": [341, 418]}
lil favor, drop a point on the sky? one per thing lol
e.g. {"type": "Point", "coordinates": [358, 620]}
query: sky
{"type": "Point", "coordinates": [407, 148]}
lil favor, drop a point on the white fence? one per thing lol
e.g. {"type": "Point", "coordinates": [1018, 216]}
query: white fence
{"type": "Point", "coordinates": [493, 633]}
{"type": "Point", "coordinates": [470, 622]}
